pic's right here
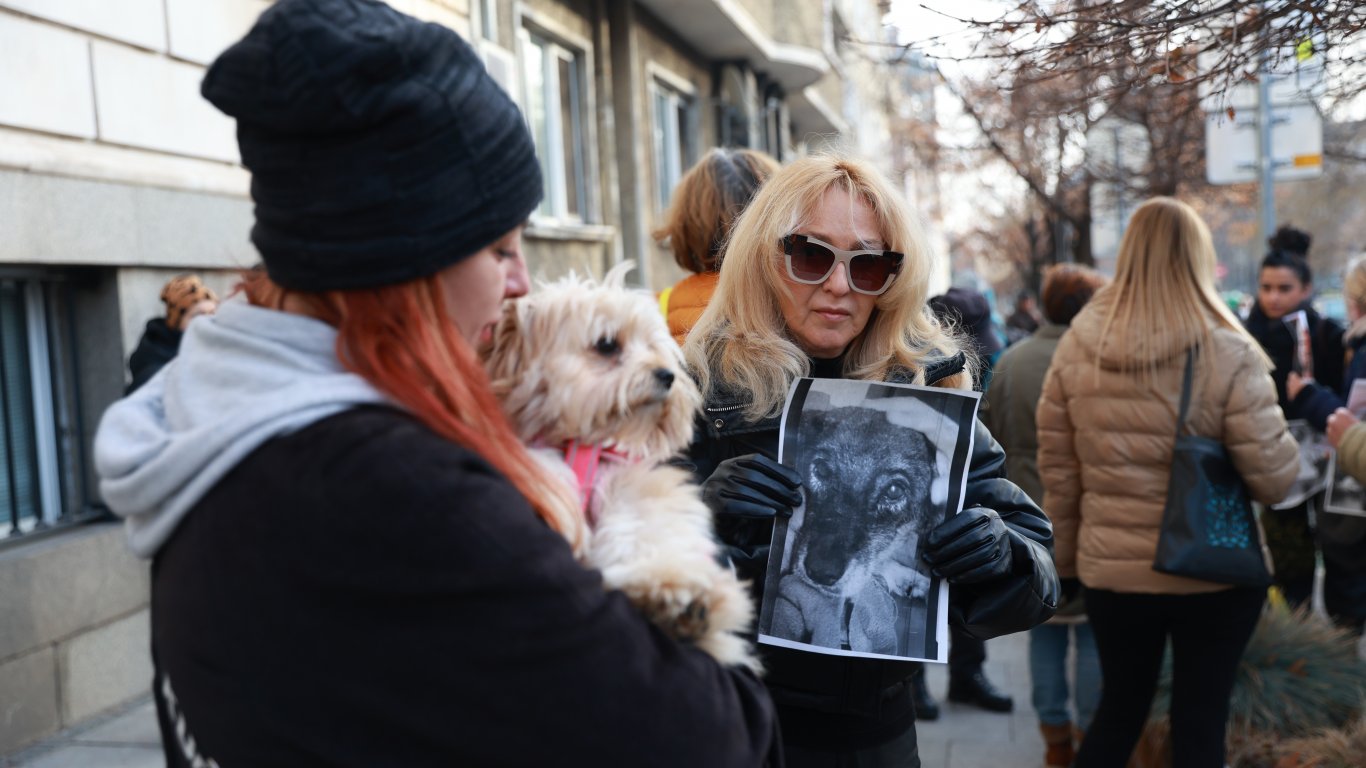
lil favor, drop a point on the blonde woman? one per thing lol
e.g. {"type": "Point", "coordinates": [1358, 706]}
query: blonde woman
{"type": "Point", "coordinates": [825, 275]}
{"type": "Point", "coordinates": [1107, 423]}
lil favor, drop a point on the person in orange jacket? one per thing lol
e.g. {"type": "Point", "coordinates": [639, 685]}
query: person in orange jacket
{"type": "Point", "coordinates": [705, 204]}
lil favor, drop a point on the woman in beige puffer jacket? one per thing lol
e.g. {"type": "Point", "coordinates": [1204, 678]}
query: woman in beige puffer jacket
{"type": "Point", "coordinates": [1107, 425]}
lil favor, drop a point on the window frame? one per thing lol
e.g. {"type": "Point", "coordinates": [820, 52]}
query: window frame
{"type": "Point", "coordinates": [58, 453]}
{"type": "Point", "coordinates": [488, 20]}
{"type": "Point", "coordinates": [558, 46]}
{"type": "Point", "coordinates": [681, 135]}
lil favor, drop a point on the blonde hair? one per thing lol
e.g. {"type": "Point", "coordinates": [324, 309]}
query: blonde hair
{"type": "Point", "coordinates": [740, 338]}
{"type": "Point", "coordinates": [707, 201]}
{"type": "Point", "coordinates": [1163, 290]}
{"type": "Point", "coordinates": [1354, 284]}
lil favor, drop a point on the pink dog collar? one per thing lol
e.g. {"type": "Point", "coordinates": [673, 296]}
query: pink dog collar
{"type": "Point", "coordinates": [585, 460]}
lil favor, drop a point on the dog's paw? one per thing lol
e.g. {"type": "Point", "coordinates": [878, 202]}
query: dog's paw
{"type": "Point", "coordinates": [680, 607]}
{"type": "Point", "coordinates": [710, 609]}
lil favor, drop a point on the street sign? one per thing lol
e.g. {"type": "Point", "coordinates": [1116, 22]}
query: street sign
{"type": "Point", "coordinates": [1296, 144]}
{"type": "Point", "coordinates": [1293, 78]}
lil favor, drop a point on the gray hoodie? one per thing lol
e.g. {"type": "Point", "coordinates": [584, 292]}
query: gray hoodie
{"type": "Point", "coordinates": [243, 376]}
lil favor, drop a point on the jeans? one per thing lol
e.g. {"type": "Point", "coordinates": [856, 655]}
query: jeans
{"type": "Point", "coordinates": [1048, 673]}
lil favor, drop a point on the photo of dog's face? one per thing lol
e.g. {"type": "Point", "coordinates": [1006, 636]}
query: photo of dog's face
{"type": "Point", "coordinates": [881, 464]}
{"type": "Point", "coordinates": [593, 362]}
{"type": "Point", "coordinates": [860, 503]}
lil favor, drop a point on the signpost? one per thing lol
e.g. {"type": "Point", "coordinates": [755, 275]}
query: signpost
{"type": "Point", "coordinates": [1275, 132]}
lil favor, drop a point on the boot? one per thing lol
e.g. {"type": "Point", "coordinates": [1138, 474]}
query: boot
{"type": "Point", "coordinates": [975, 689]}
{"type": "Point", "coordinates": [925, 706]}
{"type": "Point", "coordinates": [1057, 741]}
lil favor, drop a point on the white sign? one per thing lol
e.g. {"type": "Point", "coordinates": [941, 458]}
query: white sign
{"type": "Point", "coordinates": [1231, 145]}
{"type": "Point", "coordinates": [1294, 77]}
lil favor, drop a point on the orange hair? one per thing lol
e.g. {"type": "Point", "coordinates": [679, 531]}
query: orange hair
{"type": "Point", "coordinates": [400, 339]}
{"type": "Point", "coordinates": [708, 200]}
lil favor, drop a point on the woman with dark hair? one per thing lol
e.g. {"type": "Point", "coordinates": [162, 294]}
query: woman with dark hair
{"type": "Point", "coordinates": [1304, 347]}
{"type": "Point", "coordinates": [354, 560]}
{"type": "Point", "coordinates": [1008, 410]}
{"type": "Point", "coordinates": [705, 205]}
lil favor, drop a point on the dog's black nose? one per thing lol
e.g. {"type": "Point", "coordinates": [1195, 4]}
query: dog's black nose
{"type": "Point", "coordinates": [665, 377]}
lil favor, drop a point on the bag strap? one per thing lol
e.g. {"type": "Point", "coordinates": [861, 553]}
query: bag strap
{"type": "Point", "coordinates": [1185, 390]}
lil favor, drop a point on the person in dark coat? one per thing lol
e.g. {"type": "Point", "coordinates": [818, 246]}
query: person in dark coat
{"type": "Point", "coordinates": [1008, 411]}
{"type": "Point", "coordinates": [1292, 332]}
{"type": "Point", "coordinates": [1341, 538]}
{"type": "Point", "coordinates": [354, 560]}
{"type": "Point", "coordinates": [825, 275]}
{"type": "Point", "coordinates": [969, 312]}
{"type": "Point", "coordinates": [1024, 321]}
{"type": "Point", "coordinates": [186, 297]}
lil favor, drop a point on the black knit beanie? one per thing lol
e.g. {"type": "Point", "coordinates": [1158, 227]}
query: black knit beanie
{"type": "Point", "coordinates": [380, 149]}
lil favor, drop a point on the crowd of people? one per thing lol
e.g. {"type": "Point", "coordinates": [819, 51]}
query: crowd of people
{"type": "Point", "coordinates": [357, 562]}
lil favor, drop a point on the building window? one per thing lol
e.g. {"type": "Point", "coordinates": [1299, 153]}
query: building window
{"type": "Point", "coordinates": [555, 110]}
{"type": "Point", "coordinates": [488, 20]}
{"type": "Point", "coordinates": [674, 139]}
{"type": "Point", "coordinates": [42, 466]}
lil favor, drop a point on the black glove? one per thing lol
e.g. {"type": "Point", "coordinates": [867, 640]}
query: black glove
{"type": "Point", "coordinates": [971, 547]}
{"type": "Point", "coordinates": [746, 493]}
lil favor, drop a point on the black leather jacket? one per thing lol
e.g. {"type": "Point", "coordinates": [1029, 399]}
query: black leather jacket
{"type": "Point", "coordinates": [835, 702]}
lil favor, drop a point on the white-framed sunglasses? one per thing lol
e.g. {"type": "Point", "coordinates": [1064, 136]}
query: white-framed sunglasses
{"type": "Point", "coordinates": [813, 261]}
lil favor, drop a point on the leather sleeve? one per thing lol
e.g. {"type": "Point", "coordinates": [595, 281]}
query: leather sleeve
{"type": "Point", "coordinates": [1029, 595]}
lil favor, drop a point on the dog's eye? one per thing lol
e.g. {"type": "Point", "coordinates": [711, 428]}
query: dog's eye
{"type": "Point", "coordinates": [607, 347]}
{"type": "Point", "coordinates": [895, 497]}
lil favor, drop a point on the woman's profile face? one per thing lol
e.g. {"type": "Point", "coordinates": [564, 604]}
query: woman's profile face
{"type": "Point", "coordinates": [823, 319]}
{"type": "Point", "coordinates": [474, 288]}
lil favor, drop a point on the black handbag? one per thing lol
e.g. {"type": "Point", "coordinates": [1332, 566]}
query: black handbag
{"type": "Point", "coordinates": [1209, 529]}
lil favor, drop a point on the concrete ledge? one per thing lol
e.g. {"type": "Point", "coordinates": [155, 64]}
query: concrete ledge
{"type": "Point", "coordinates": [60, 587]}
{"type": "Point", "coordinates": [105, 667]}
{"type": "Point", "coordinates": [28, 709]}
{"type": "Point", "coordinates": [63, 221]}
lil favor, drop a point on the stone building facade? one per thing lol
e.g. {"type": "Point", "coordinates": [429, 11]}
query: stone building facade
{"type": "Point", "coordinates": [115, 176]}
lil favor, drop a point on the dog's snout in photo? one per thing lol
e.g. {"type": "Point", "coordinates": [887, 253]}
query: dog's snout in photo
{"type": "Point", "coordinates": [665, 377]}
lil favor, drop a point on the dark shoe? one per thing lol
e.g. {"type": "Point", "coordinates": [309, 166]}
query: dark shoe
{"type": "Point", "coordinates": [976, 690]}
{"type": "Point", "coordinates": [925, 706]}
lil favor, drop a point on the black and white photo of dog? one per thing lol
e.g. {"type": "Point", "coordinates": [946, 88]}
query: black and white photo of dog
{"type": "Point", "coordinates": [875, 478]}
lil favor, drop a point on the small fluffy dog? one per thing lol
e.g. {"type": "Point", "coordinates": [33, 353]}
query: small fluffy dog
{"type": "Point", "coordinates": [592, 380]}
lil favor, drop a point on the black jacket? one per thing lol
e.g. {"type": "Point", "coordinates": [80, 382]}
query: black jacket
{"type": "Point", "coordinates": [159, 343]}
{"type": "Point", "coordinates": [1317, 401]}
{"type": "Point", "coordinates": [366, 593]}
{"type": "Point", "coordinates": [1326, 347]}
{"type": "Point", "coordinates": [834, 702]}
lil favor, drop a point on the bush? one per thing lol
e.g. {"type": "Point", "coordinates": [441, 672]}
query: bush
{"type": "Point", "coordinates": [1300, 678]}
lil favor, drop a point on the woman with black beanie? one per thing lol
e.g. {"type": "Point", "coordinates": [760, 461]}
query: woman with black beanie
{"type": "Point", "coordinates": [354, 561]}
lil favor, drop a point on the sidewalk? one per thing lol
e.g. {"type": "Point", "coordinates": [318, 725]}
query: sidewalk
{"type": "Point", "coordinates": [963, 737]}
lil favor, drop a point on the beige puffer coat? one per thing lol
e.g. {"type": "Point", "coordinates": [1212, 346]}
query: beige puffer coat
{"type": "Point", "coordinates": [1105, 447]}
